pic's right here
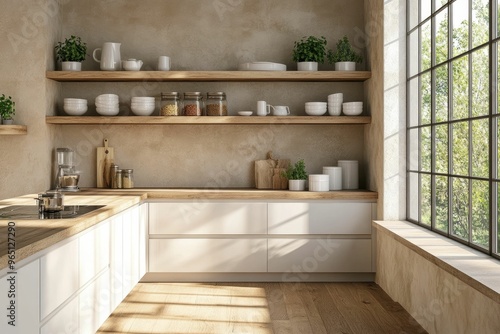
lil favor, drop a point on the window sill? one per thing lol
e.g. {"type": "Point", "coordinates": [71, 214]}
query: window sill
{"type": "Point", "coordinates": [474, 268]}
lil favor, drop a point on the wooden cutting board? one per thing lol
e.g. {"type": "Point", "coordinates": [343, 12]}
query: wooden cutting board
{"type": "Point", "coordinates": [268, 173]}
{"type": "Point", "coordinates": [105, 157]}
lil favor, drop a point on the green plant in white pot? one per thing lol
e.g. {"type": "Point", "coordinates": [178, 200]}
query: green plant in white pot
{"type": "Point", "coordinates": [71, 53]}
{"type": "Point", "coordinates": [308, 52]}
{"type": "Point", "coordinates": [7, 109]}
{"type": "Point", "coordinates": [344, 57]}
{"type": "Point", "coordinates": [296, 176]}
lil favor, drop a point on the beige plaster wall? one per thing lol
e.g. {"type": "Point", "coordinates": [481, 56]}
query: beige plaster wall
{"type": "Point", "coordinates": [28, 30]}
{"type": "Point", "coordinates": [212, 35]}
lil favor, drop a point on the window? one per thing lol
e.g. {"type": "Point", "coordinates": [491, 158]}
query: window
{"type": "Point", "coordinates": [453, 119]}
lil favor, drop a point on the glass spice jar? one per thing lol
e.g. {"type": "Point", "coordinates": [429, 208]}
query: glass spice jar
{"type": "Point", "coordinates": [193, 104]}
{"type": "Point", "coordinates": [170, 104]}
{"type": "Point", "coordinates": [127, 178]}
{"type": "Point", "coordinates": [118, 179]}
{"type": "Point", "coordinates": [216, 104]}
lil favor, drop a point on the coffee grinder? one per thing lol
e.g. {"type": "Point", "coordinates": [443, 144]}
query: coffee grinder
{"type": "Point", "coordinates": [67, 178]}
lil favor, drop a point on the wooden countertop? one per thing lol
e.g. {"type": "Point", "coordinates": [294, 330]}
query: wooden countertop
{"type": "Point", "coordinates": [33, 236]}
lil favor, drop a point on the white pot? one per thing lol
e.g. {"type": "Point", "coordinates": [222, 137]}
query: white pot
{"type": "Point", "coordinates": [7, 121]}
{"type": "Point", "coordinates": [345, 66]}
{"type": "Point", "coordinates": [296, 185]}
{"type": "Point", "coordinates": [307, 66]}
{"type": "Point", "coordinates": [71, 66]}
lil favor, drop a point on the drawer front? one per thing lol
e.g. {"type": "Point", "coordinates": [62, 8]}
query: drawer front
{"type": "Point", "coordinates": [208, 218]}
{"type": "Point", "coordinates": [65, 321]}
{"type": "Point", "coordinates": [94, 252]}
{"type": "Point", "coordinates": [320, 218]}
{"type": "Point", "coordinates": [207, 255]}
{"type": "Point", "coordinates": [320, 255]}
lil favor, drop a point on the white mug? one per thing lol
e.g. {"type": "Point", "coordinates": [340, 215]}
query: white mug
{"type": "Point", "coordinates": [110, 57]}
{"type": "Point", "coordinates": [163, 63]}
{"type": "Point", "coordinates": [263, 109]}
{"type": "Point", "coordinates": [281, 111]}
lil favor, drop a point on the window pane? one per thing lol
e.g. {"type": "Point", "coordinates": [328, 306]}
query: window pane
{"type": "Point", "coordinates": [425, 38]}
{"type": "Point", "coordinates": [441, 93]}
{"type": "Point", "coordinates": [460, 26]}
{"type": "Point", "coordinates": [425, 149]}
{"type": "Point", "coordinates": [413, 150]}
{"type": "Point", "coordinates": [461, 88]}
{"type": "Point", "coordinates": [412, 12]}
{"type": "Point", "coordinates": [441, 36]}
{"type": "Point", "coordinates": [480, 213]}
{"type": "Point", "coordinates": [460, 148]}
{"type": "Point", "coordinates": [413, 97]}
{"type": "Point", "coordinates": [413, 53]}
{"type": "Point", "coordinates": [480, 22]}
{"type": "Point", "coordinates": [425, 9]}
{"type": "Point", "coordinates": [480, 82]}
{"type": "Point", "coordinates": [497, 92]}
{"type": "Point", "coordinates": [442, 203]}
{"type": "Point", "coordinates": [480, 148]}
{"type": "Point", "coordinates": [425, 205]}
{"type": "Point", "coordinates": [425, 104]}
{"type": "Point", "coordinates": [460, 207]}
{"type": "Point", "coordinates": [413, 194]}
{"type": "Point", "coordinates": [441, 164]}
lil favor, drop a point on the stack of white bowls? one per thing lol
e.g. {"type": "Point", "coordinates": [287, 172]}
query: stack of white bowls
{"type": "Point", "coordinates": [143, 105]}
{"type": "Point", "coordinates": [75, 107]}
{"type": "Point", "coordinates": [352, 108]}
{"type": "Point", "coordinates": [315, 108]}
{"type": "Point", "coordinates": [335, 104]}
{"type": "Point", "coordinates": [107, 105]}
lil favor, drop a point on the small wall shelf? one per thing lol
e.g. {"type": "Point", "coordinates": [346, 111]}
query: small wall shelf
{"type": "Point", "coordinates": [13, 130]}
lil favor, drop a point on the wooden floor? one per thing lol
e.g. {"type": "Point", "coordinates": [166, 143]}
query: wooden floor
{"type": "Point", "coordinates": [259, 308]}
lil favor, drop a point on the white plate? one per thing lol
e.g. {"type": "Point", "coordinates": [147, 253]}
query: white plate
{"type": "Point", "coordinates": [262, 66]}
{"type": "Point", "coordinates": [245, 113]}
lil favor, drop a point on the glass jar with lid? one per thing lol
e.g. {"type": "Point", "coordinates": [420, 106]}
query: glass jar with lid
{"type": "Point", "coordinates": [170, 104]}
{"type": "Point", "coordinates": [127, 178]}
{"type": "Point", "coordinates": [216, 104]}
{"type": "Point", "coordinates": [193, 104]}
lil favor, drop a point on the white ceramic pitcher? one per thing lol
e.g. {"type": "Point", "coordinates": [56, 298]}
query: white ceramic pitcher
{"type": "Point", "coordinates": [110, 57]}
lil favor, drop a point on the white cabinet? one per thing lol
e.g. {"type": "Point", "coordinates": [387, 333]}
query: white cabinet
{"type": "Point", "coordinates": [130, 248]}
{"type": "Point", "coordinates": [95, 304]}
{"type": "Point", "coordinates": [65, 321]}
{"type": "Point", "coordinates": [93, 252]}
{"type": "Point", "coordinates": [208, 255]}
{"type": "Point", "coordinates": [116, 261]}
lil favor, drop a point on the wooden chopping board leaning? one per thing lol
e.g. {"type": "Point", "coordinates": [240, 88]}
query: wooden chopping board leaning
{"type": "Point", "coordinates": [105, 157]}
{"type": "Point", "coordinates": [268, 173]}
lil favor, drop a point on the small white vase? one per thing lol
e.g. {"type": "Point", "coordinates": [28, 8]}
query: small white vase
{"type": "Point", "coordinates": [307, 66]}
{"type": "Point", "coordinates": [345, 66]}
{"type": "Point", "coordinates": [71, 66]}
{"type": "Point", "coordinates": [297, 185]}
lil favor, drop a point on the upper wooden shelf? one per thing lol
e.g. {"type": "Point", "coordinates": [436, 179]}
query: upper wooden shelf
{"type": "Point", "coordinates": [185, 76]}
{"type": "Point", "coordinates": [190, 120]}
{"type": "Point", "coordinates": [11, 130]}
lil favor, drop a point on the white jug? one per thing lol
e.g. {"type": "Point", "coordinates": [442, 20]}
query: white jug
{"type": "Point", "coordinates": [110, 57]}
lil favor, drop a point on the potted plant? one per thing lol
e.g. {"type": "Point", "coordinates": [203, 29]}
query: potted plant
{"type": "Point", "coordinates": [71, 53]}
{"type": "Point", "coordinates": [296, 176]}
{"type": "Point", "coordinates": [7, 109]}
{"type": "Point", "coordinates": [344, 57]}
{"type": "Point", "coordinates": [308, 52]}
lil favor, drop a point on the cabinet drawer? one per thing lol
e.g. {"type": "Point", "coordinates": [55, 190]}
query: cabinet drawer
{"type": "Point", "coordinates": [95, 304]}
{"type": "Point", "coordinates": [94, 252]}
{"type": "Point", "coordinates": [207, 255]}
{"type": "Point", "coordinates": [320, 255]}
{"type": "Point", "coordinates": [320, 218]}
{"type": "Point", "coordinates": [65, 321]}
{"type": "Point", "coordinates": [208, 218]}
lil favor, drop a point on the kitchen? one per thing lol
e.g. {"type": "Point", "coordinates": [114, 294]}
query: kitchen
{"type": "Point", "coordinates": [205, 36]}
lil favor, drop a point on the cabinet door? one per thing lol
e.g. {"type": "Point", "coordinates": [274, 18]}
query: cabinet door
{"type": "Point", "coordinates": [116, 260]}
{"type": "Point", "coordinates": [208, 218]}
{"type": "Point", "coordinates": [58, 276]}
{"type": "Point", "coordinates": [208, 255]}
{"type": "Point", "coordinates": [320, 255]}
{"type": "Point", "coordinates": [143, 239]}
{"type": "Point", "coordinates": [94, 252]}
{"type": "Point", "coordinates": [320, 218]}
{"type": "Point", "coordinates": [65, 321]}
{"type": "Point", "coordinates": [95, 304]}
{"type": "Point", "coordinates": [131, 224]}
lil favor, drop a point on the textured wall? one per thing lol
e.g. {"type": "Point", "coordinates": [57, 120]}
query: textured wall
{"type": "Point", "coordinates": [211, 35]}
{"type": "Point", "coordinates": [27, 34]}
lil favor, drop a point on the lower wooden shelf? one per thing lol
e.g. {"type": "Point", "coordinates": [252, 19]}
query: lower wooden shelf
{"type": "Point", "coordinates": [191, 120]}
{"type": "Point", "coordinates": [12, 130]}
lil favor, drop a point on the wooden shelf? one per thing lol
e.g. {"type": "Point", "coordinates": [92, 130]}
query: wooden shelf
{"type": "Point", "coordinates": [186, 76]}
{"type": "Point", "coordinates": [13, 130]}
{"type": "Point", "coordinates": [193, 120]}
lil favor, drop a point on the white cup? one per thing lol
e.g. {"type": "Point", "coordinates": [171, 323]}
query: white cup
{"type": "Point", "coordinates": [349, 174]}
{"type": "Point", "coordinates": [335, 174]}
{"type": "Point", "coordinates": [281, 111]}
{"type": "Point", "coordinates": [263, 109]}
{"type": "Point", "coordinates": [163, 63]}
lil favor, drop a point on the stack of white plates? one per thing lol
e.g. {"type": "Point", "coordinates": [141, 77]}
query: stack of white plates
{"type": "Point", "coordinates": [75, 107]}
{"type": "Point", "coordinates": [143, 105]}
{"type": "Point", "coordinates": [107, 105]}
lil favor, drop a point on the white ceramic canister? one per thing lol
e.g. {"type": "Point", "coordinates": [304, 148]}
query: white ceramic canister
{"type": "Point", "coordinates": [335, 174]}
{"type": "Point", "coordinates": [349, 174]}
{"type": "Point", "coordinates": [319, 182]}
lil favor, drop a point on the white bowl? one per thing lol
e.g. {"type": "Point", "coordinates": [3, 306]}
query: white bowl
{"type": "Point", "coordinates": [107, 111]}
{"type": "Point", "coordinates": [107, 106]}
{"type": "Point", "coordinates": [73, 100]}
{"type": "Point", "coordinates": [334, 111]}
{"type": "Point", "coordinates": [75, 110]}
{"type": "Point", "coordinates": [143, 98]}
{"type": "Point", "coordinates": [245, 113]}
{"type": "Point", "coordinates": [315, 104]}
{"type": "Point", "coordinates": [142, 110]}
{"type": "Point", "coordinates": [352, 112]}
{"type": "Point", "coordinates": [144, 103]}
{"type": "Point", "coordinates": [315, 112]}
{"type": "Point", "coordinates": [352, 104]}
{"type": "Point", "coordinates": [107, 96]}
